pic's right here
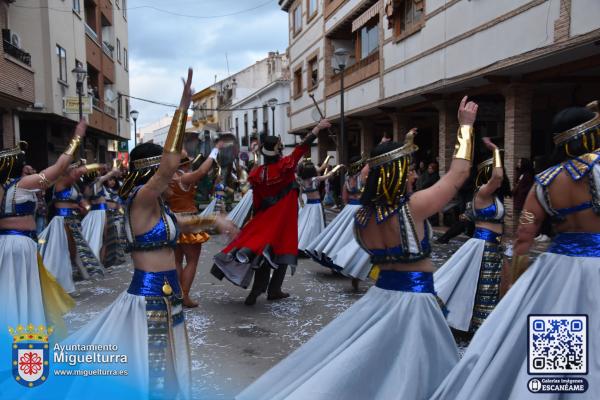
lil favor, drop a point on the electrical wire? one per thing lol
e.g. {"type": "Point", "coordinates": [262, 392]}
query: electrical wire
{"type": "Point", "coordinates": [197, 108]}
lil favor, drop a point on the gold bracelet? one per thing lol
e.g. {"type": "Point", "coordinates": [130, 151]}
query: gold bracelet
{"type": "Point", "coordinates": [464, 146]}
{"type": "Point", "coordinates": [73, 146]}
{"type": "Point", "coordinates": [497, 159]}
{"type": "Point", "coordinates": [44, 182]}
{"type": "Point", "coordinates": [519, 265]}
{"type": "Point", "coordinates": [174, 142]}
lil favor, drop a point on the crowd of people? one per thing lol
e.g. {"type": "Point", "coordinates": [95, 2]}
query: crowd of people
{"type": "Point", "coordinates": [397, 341]}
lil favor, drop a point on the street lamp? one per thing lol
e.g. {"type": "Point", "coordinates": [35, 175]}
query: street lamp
{"type": "Point", "coordinates": [341, 59]}
{"type": "Point", "coordinates": [342, 56]}
{"type": "Point", "coordinates": [80, 74]}
{"type": "Point", "coordinates": [273, 103]}
{"type": "Point", "coordinates": [134, 115]}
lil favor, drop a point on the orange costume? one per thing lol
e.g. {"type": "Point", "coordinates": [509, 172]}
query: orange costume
{"type": "Point", "coordinates": [183, 200]}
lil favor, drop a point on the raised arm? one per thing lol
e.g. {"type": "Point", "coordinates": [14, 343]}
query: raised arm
{"type": "Point", "coordinates": [487, 190]}
{"type": "Point", "coordinates": [45, 178]}
{"type": "Point", "coordinates": [324, 166]}
{"type": "Point", "coordinates": [304, 145]}
{"type": "Point", "coordinates": [190, 178]}
{"type": "Point", "coordinates": [330, 174]}
{"type": "Point", "coordinates": [530, 222]}
{"type": "Point", "coordinates": [427, 202]}
{"type": "Point", "coordinates": [171, 156]}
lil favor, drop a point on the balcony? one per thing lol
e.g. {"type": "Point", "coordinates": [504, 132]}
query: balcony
{"type": "Point", "coordinates": [108, 49]}
{"type": "Point", "coordinates": [17, 53]}
{"type": "Point", "coordinates": [91, 33]}
{"type": "Point", "coordinates": [356, 73]}
{"type": "Point", "coordinates": [103, 117]}
{"type": "Point", "coordinates": [110, 111]}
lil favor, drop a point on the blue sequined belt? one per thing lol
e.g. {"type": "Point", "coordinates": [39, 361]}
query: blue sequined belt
{"type": "Point", "coordinates": [354, 202]}
{"type": "Point", "coordinates": [101, 206]}
{"type": "Point", "coordinates": [66, 212]}
{"type": "Point", "coordinates": [151, 283]}
{"type": "Point", "coordinates": [415, 282]}
{"type": "Point", "coordinates": [313, 201]}
{"type": "Point", "coordinates": [487, 235]}
{"type": "Point", "coordinates": [576, 244]}
{"type": "Point", "coordinates": [30, 234]}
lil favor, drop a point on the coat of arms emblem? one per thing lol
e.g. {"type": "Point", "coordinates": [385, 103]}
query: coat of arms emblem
{"type": "Point", "coordinates": [30, 354]}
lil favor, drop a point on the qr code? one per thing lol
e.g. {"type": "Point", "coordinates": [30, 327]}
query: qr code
{"type": "Point", "coordinates": [557, 344]}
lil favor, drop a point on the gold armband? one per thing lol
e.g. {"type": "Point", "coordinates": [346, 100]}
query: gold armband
{"type": "Point", "coordinates": [464, 146]}
{"type": "Point", "coordinates": [174, 142]}
{"type": "Point", "coordinates": [326, 162]}
{"type": "Point", "coordinates": [93, 167]}
{"type": "Point", "coordinates": [336, 169]}
{"type": "Point", "coordinates": [73, 146]}
{"type": "Point", "coordinates": [497, 159]}
{"type": "Point", "coordinates": [519, 265]}
{"type": "Point", "coordinates": [44, 182]}
{"type": "Point", "coordinates": [203, 222]}
{"type": "Point", "coordinates": [526, 218]}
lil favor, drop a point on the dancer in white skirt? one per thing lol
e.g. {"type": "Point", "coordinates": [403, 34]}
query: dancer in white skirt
{"type": "Point", "coordinates": [394, 343]}
{"type": "Point", "coordinates": [30, 295]}
{"type": "Point", "coordinates": [336, 247]}
{"type": "Point", "coordinates": [146, 322]}
{"type": "Point", "coordinates": [94, 224]}
{"type": "Point", "coordinates": [63, 237]}
{"type": "Point", "coordinates": [563, 280]}
{"type": "Point", "coordinates": [311, 219]}
{"type": "Point", "coordinates": [469, 282]}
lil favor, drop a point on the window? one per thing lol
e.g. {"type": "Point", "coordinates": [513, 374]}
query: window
{"type": "Point", "coordinates": [76, 6]}
{"type": "Point", "coordinates": [311, 6]}
{"type": "Point", "coordinates": [298, 82]}
{"type": "Point", "coordinates": [118, 50]}
{"type": "Point", "coordinates": [125, 59]}
{"type": "Point", "coordinates": [246, 125]}
{"type": "Point", "coordinates": [369, 39]}
{"type": "Point", "coordinates": [237, 127]}
{"type": "Point", "coordinates": [127, 109]}
{"type": "Point", "coordinates": [405, 16]}
{"type": "Point", "coordinates": [297, 19]}
{"type": "Point", "coordinates": [265, 116]}
{"type": "Point", "coordinates": [62, 63]}
{"type": "Point", "coordinates": [254, 119]}
{"type": "Point", "coordinates": [125, 9]}
{"type": "Point", "coordinates": [313, 73]}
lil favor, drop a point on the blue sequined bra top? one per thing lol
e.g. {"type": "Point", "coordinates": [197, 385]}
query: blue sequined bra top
{"type": "Point", "coordinates": [17, 202]}
{"type": "Point", "coordinates": [410, 250]}
{"type": "Point", "coordinates": [493, 213]}
{"type": "Point", "coordinates": [587, 165]}
{"type": "Point", "coordinates": [67, 195]}
{"type": "Point", "coordinates": [163, 234]}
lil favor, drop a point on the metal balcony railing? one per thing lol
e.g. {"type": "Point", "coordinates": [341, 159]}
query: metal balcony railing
{"type": "Point", "coordinates": [107, 50]}
{"type": "Point", "coordinates": [17, 53]}
{"type": "Point", "coordinates": [110, 111]}
{"type": "Point", "coordinates": [96, 102]}
{"type": "Point", "coordinates": [91, 32]}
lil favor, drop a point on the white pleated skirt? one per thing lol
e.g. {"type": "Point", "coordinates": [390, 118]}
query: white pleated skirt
{"type": "Point", "coordinates": [310, 224]}
{"type": "Point", "coordinates": [337, 248]}
{"type": "Point", "coordinates": [210, 208]}
{"type": "Point", "coordinates": [54, 248]}
{"type": "Point", "coordinates": [92, 228]}
{"type": "Point", "coordinates": [494, 366]}
{"type": "Point", "coordinates": [241, 210]}
{"type": "Point", "coordinates": [125, 324]}
{"type": "Point", "coordinates": [20, 289]}
{"type": "Point", "coordinates": [389, 345]}
{"type": "Point", "coordinates": [456, 283]}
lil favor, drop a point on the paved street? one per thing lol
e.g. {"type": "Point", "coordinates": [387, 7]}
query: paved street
{"type": "Point", "coordinates": [233, 344]}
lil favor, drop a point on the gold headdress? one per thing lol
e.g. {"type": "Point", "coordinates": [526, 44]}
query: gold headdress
{"type": "Point", "coordinates": [393, 172]}
{"type": "Point", "coordinates": [357, 166]}
{"type": "Point", "coordinates": [8, 157]}
{"type": "Point", "coordinates": [589, 131]}
{"type": "Point", "coordinates": [139, 169]}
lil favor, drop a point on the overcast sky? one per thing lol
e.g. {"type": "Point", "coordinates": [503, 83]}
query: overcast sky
{"type": "Point", "coordinates": [162, 45]}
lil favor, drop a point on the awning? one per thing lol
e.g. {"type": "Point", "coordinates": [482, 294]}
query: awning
{"type": "Point", "coordinates": [366, 16]}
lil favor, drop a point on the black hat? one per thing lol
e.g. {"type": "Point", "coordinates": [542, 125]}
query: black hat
{"type": "Point", "coordinates": [271, 146]}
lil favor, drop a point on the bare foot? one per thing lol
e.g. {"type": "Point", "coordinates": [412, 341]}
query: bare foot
{"type": "Point", "coordinates": [189, 303]}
